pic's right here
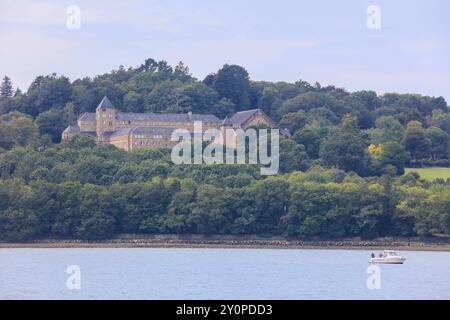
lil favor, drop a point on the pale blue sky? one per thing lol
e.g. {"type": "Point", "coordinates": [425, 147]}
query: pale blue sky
{"type": "Point", "coordinates": [324, 41]}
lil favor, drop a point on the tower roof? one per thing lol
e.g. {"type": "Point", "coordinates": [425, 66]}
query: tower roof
{"type": "Point", "coordinates": [105, 104]}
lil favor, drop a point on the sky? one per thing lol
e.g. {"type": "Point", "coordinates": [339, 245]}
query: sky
{"type": "Point", "coordinates": [283, 40]}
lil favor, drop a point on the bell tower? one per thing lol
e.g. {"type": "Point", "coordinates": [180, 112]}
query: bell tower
{"type": "Point", "coordinates": [106, 118]}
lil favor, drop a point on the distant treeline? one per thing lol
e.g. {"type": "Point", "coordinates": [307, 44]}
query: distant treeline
{"type": "Point", "coordinates": [351, 147]}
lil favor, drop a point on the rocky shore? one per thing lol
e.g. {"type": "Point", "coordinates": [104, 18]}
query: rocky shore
{"type": "Point", "coordinates": [195, 241]}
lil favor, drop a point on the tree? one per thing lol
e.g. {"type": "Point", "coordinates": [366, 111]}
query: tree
{"type": "Point", "coordinates": [54, 121]}
{"type": "Point", "coordinates": [46, 93]}
{"type": "Point", "coordinates": [439, 142]}
{"type": "Point", "coordinates": [393, 153]}
{"type": "Point", "coordinates": [368, 98]}
{"type": "Point", "coordinates": [263, 204]}
{"type": "Point", "coordinates": [6, 88]}
{"type": "Point", "coordinates": [224, 108]}
{"type": "Point", "coordinates": [182, 71]}
{"type": "Point", "coordinates": [17, 129]}
{"type": "Point", "coordinates": [163, 97]}
{"type": "Point", "coordinates": [18, 224]}
{"type": "Point", "coordinates": [293, 157]}
{"type": "Point", "coordinates": [293, 121]}
{"type": "Point", "coordinates": [416, 141]}
{"type": "Point", "coordinates": [210, 210]}
{"type": "Point", "coordinates": [311, 139]}
{"type": "Point", "coordinates": [441, 119]}
{"type": "Point", "coordinates": [387, 129]}
{"type": "Point", "coordinates": [270, 101]}
{"type": "Point", "coordinates": [232, 82]}
{"type": "Point", "coordinates": [133, 102]}
{"type": "Point", "coordinates": [196, 97]}
{"type": "Point", "coordinates": [344, 148]}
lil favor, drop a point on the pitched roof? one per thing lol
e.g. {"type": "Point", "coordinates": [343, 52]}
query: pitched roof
{"type": "Point", "coordinates": [88, 133]}
{"type": "Point", "coordinates": [205, 118]}
{"type": "Point", "coordinates": [105, 104]}
{"type": "Point", "coordinates": [144, 130]}
{"type": "Point", "coordinates": [117, 133]}
{"type": "Point", "coordinates": [138, 130]}
{"type": "Point", "coordinates": [240, 117]}
{"type": "Point", "coordinates": [166, 117]}
{"type": "Point", "coordinates": [88, 116]}
{"type": "Point", "coordinates": [72, 129]}
{"type": "Point", "coordinates": [226, 122]}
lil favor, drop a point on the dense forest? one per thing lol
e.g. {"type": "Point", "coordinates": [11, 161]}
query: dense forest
{"type": "Point", "coordinates": [341, 170]}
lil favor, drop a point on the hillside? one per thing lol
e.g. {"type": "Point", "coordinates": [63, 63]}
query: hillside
{"type": "Point", "coordinates": [341, 172]}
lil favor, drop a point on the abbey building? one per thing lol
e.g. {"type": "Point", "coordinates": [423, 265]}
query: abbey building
{"type": "Point", "coordinates": [131, 131]}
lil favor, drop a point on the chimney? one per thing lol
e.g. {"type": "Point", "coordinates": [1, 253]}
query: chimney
{"type": "Point", "coordinates": [190, 115]}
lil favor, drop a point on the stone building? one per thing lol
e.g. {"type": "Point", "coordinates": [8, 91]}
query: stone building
{"type": "Point", "coordinates": [132, 131]}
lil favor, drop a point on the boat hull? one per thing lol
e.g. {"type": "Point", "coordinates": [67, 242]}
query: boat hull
{"type": "Point", "coordinates": [399, 260]}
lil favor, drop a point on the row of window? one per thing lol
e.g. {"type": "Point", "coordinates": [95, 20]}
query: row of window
{"type": "Point", "coordinates": [141, 136]}
{"type": "Point", "coordinates": [171, 124]}
{"type": "Point", "coordinates": [149, 143]}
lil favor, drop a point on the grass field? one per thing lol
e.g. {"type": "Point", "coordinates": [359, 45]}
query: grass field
{"type": "Point", "coordinates": [431, 173]}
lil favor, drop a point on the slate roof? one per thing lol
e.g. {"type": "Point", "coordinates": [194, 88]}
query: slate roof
{"type": "Point", "coordinates": [88, 116]}
{"type": "Point", "coordinates": [205, 118]}
{"type": "Point", "coordinates": [157, 117]}
{"type": "Point", "coordinates": [139, 130]}
{"type": "Point", "coordinates": [117, 133]}
{"type": "Point", "coordinates": [144, 130]}
{"type": "Point", "coordinates": [105, 104]}
{"type": "Point", "coordinates": [226, 122]}
{"type": "Point", "coordinates": [240, 117]}
{"type": "Point", "coordinates": [166, 117]}
{"type": "Point", "coordinates": [88, 133]}
{"type": "Point", "coordinates": [72, 129]}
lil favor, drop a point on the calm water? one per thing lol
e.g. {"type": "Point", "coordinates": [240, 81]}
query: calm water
{"type": "Point", "coordinates": [218, 274]}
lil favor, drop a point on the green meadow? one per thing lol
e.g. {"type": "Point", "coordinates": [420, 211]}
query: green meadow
{"type": "Point", "coordinates": [431, 173]}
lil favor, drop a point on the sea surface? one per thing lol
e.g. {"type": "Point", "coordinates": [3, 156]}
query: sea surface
{"type": "Point", "coordinates": [218, 274]}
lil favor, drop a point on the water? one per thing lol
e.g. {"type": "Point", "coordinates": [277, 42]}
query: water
{"type": "Point", "coordinates": [218, 274]}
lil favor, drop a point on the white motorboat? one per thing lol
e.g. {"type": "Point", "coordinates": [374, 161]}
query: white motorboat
{"type": "Point", "coordinates": [387, 257]}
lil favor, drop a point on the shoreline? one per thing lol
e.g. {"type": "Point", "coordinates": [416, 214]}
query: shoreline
{"type": "Point", "coordinates": [198, 242]}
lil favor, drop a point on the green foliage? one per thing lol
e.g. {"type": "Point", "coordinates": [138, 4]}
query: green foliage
{"type": "Point", "coordinates": [344, 148]}
{"type": "Point", "coordinates": [387, 129]}
{"type": "Point", "coordinates": [416, 141]}
{"type": "Point", "coordinates": [394, 154]}
{"type": "Point", "coordinates": [293, 121]}
{"type": "Point", "coordinates": [6, 88]}
{"type": "Point", "coordinates": [17, 129]}
{"type": "Point", "coordinates": [86, 191]}
{"type": "Point", "coordinates": [311, 138]}
{"type": "Point", "coordinates": [329, 185]}
{"type": "Point", "coordinates": [232, 82]}
{"type": "Point", "coordinates": [439, 142]}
